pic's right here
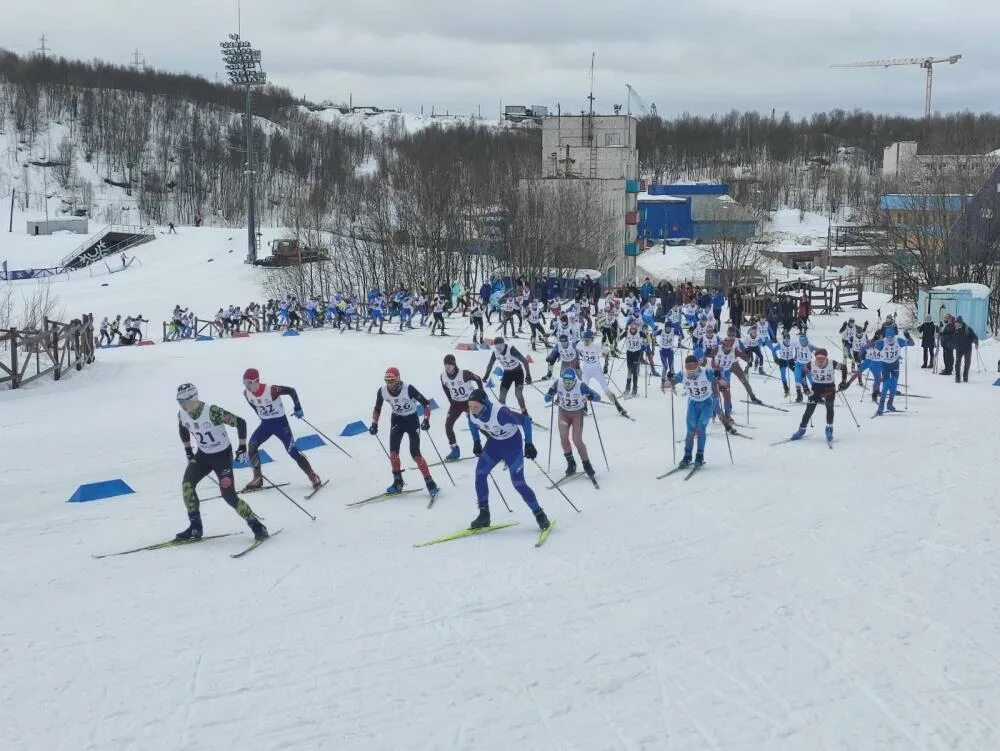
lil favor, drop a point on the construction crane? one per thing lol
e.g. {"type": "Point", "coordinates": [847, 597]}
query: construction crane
{"type": "Point", "coordinates": [927, 63]}
{"type": "Point", "coordinates": [647, 109]}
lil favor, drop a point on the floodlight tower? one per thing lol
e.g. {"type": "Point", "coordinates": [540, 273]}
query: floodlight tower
{"type": "Point", "coordinates": [243, 68]}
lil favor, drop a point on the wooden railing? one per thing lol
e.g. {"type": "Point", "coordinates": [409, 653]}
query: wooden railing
{"type": "Point", "coordinates": [26, 355]}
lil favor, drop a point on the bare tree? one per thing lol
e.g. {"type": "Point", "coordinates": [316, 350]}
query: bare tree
{"type": "Point", "coordinates": [739, 260]}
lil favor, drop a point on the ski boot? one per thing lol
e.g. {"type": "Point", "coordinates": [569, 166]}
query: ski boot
{"type": "Point", "coordinates": [432, 487]}
{"type": "Point", "coordinates": [589, 469]}
{"type": "Point", "coordinates": [635, 388]}
{"type": "Point", "coordinates": [755, 400]}
{"type": "Point", "coordinates": [798, 395]}
{"type": "Point", "coordinates": [699, 460]}
{"type": "Point", "coordinates": [255, 484]}
{"type": "Point", "coordinates": [453, 454]}
{"type": "Point", "coordinates": [787, 392]}
{"type": "Point", "coordinates": [799, 434]}
{"type": "Point", "coordinates": [194, 530]}
{"type": "Point", "coordinates": [316, 482]}
{"type": "Point", "coordinates": [542, 519]}
{"type": "Point", "coordinates": [875, 396]}
{"type": "Point", "coordinates": [890, 407]}
{"type": "Point", "coordinates": [685, 462]}
{"type": "Point", "coordinates": [483, 520]}
{"type": "Point", "coordinates": [397, 484]}
{"type": "Point", "coordinates": [880, 411]}
{"type": "Point", "coordinates": [760, 370]}
{"type": "Point", "coordinates": [570, 465]}
{"type": "Point", "coordinates": [653, 372]}
{"type": "Point", "coordinates": [258, 529]}
{"type": "Point", "coordinates": [620, 408]}
{"type": "Point", "coordinates": [829, 432]}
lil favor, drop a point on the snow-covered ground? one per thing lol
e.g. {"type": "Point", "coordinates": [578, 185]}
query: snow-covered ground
{"type": "Point", "coordinates": [798, 598]}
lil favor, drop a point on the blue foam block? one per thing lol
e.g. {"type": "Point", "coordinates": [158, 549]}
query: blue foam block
{"type": "Point", "coordinates": [203, 338]}
{"type": "Point", "coordinates": [354, 428]}
{"type": "Point", "coordinates": [306, 442]}
{"type": "Point", "coordinates": [996, 382]}
{"type": "Point", "coordinates": [291, 332]}
{"type": "Point", "coordinates": [264, 459]}
{"type": "Point", "coordinates": [434, 404]}
{"type": "Point", "coordinates": [98, 491]}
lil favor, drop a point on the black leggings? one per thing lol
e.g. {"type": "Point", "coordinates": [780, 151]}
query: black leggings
{"type": "Point", "coordinates": [404, 425]}
{"type": "Point", "coordinates": [477, 325]}
{"type": "Point", "coordinates": [821, 393]}
{"type": "Point", "coordinates": [204, 464]}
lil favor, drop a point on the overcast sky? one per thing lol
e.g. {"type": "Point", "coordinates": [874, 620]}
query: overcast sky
{"type": "Point", "coordinates": [703, 56]}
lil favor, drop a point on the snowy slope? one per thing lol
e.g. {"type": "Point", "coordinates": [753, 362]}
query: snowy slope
{"type": "Point", "coordinates": [801, 598]}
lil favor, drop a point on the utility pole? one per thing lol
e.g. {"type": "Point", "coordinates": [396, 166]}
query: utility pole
{"type": "Point", "coordinates": [43, 50]}
{"type": "Point", "coordinates": [243, 68]}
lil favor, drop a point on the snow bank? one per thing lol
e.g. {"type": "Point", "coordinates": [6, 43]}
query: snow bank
{"type": "Point", "coordinates": [979, 291]}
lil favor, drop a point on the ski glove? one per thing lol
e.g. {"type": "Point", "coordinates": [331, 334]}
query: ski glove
{"type": "Point", "coordinates": [425, 424]}
{"type": "Point", "coordinates": [527, 378]}
{"type": "Point", "coordinates": [189, 453]}
{"type": "Point", "coordinates": [373, 428]}
{"type": "Point", "coordinates": [477, 448]}
{"type": "Point", "coordinates": [241, 455]}
{"type": "Point", "coordinates": [842, 386]}
{"type": "Point", "coordinates": [530, 451]}
{"type": "Point", "coordinates": [298, 413]}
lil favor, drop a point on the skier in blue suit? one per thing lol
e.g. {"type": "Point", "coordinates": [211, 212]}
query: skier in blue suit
{"type": "Point", "coordinates": [702, 390]}
{"type": "Point", "coordinates": [890, 348]}
{"type": "Point", "coordinates": [503, 429]}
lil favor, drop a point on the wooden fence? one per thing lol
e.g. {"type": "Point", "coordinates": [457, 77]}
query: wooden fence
{"type": "Point", "coordinates": [26, 355]}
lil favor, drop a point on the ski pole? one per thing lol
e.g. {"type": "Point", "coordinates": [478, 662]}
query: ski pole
{"type": "Point", "coordinates": [268, 480]}
{"type": "Point", "coordinates": [552, 413]}
{"type": "Point", "coordinates": [848, 404]}
{"type": "Point", "coordinates": [332, 442]}
{"type": "Point", "coordinates": [495, 485]}
{"type": "Point", "coordinates": [906, 378]}
{"type": "Point", "coordinates": [982, 365]}
{"type": "Point", "coordinates": [552, 482]}
{"type": "Point", "coordinates": [379, 439]}
{"type": "Point", "coordinates": [601, 441]}
{"type": "Point", "coordinates": [729, 444]}
{"type": "Point", "coordinates": [673, 428]}
{"type": "Point", "coordinates": [440, 458]}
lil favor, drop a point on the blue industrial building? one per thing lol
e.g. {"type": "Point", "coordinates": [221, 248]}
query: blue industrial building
{"type": "Point", "coordinates": [697, 213]}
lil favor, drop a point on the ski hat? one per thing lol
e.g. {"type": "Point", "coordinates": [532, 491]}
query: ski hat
{"type": "Point", "coordinates": [786, 337]}
{"type": "Point", "coordinates": [820, 352]}
{"type": "Point", "coordinates": [391, 374]}
{"type": "Point", "coordinates": [478, 395]}
{"type": "Point", "coordinates": [588, 334]}
{"type": "Point", "coordinates": [497, 340]}
{"type": "Point", "coordinates": [889, 331]}
{"type": "Point", "coordinates": [187, 392]}
{"type": "Point", "coordinates": [564, 337]}
{"type": "Point", "coordinates": [251, 374]}
{"type": "Point", "coordinates": [450, 360]}
{"type": "Point", "coordinates": [569, 375]}
{"type": "Point", "coordinates": [803, 338]}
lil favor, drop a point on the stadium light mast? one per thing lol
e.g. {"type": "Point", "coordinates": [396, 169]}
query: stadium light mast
{"type": "Point", "coordinates": [243, 69]}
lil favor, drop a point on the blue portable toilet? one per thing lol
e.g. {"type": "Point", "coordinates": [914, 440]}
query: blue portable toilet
{"type": "Point", "coordinates": [968, 300]}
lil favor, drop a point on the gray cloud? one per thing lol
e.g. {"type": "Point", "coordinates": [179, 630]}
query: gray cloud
{"type": "Point", "coordinates": [703, 57]}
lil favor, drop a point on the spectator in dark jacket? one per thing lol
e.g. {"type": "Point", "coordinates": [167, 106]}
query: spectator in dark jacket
{"type": "Point", "coordinates": [963, 339]}
{"type": "Point", "coordinates": [947, 334]}
{"type": "Point", "coordinates": [736, 307]}
{"type": "Point", "coordinates": [787, 307]}
{"type": "Point", "coordinates": [928, 332]}
{"type": "Point", "coordinates": [484, 293]}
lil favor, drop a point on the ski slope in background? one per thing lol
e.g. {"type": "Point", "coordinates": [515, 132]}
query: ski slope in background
{"type": "Point", "coordinates": [801, 598]}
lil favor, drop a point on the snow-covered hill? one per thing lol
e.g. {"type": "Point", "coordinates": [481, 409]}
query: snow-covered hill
{"type": "Point", "coordinates": [795, 598]}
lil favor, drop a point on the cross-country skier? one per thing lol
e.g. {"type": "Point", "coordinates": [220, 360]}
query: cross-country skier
{"type": "Point", "coordinates": [457, 385]}
{"type": "Point", "coordinates": [784, 355]}
{"type": "Point", "coordinates": [702, 390]}
{"type": "Point", "coordinates": [635, 346]}
{"type": "Point", "coordinates": [207, 423]}
{"type": "Point", "coordinates": [821, 372]}
{"type": "Point", "coordinates": [503, 428]}
{"type": "Point", "coordinates": [403, 400]}
{"type": "Point", "coordinates": [890, 348]}
{"type": "Point", "coordinates": [803, 356]}
{"type": "Point", "coordinates": [565, 353]}
{"type": "Point", "coordinates": [476, 317]}
{"type": "Point", "coordinates": [536, 323]}
{"type": "Point", "coordinates": [515, 371]}
{"type": "Point", "coordinates": [589, 353]}
{"type": "Point", "coordinates": [266, 402]}
{"type": "Point", "coordinates": [438, 310]}
{"type": "Point", "coordinates": [571, 396]}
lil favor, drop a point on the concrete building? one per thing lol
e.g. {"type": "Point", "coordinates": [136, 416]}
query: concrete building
{"type": "Point", "coordinates": [48, 226]}
{"type": "Point", "coordinates": [901, 161]}
{"type": "Point", "coordinates": [597, 154]}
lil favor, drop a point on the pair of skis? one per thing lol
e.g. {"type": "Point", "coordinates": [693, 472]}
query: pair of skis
{"type": "Point", "coordinates": [566, 478]}
{"type": "Point", "coordinates": [543, 535]}
{"type": "Point", "coordinates": [180, 543]}
{"type": "Point", "coordinates": [386, 496]}
{"type": "Point", "coordinates": [691, 471]}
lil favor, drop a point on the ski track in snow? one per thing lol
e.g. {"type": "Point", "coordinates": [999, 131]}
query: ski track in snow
{"type": "Point", "coordinates": [801, 599]}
